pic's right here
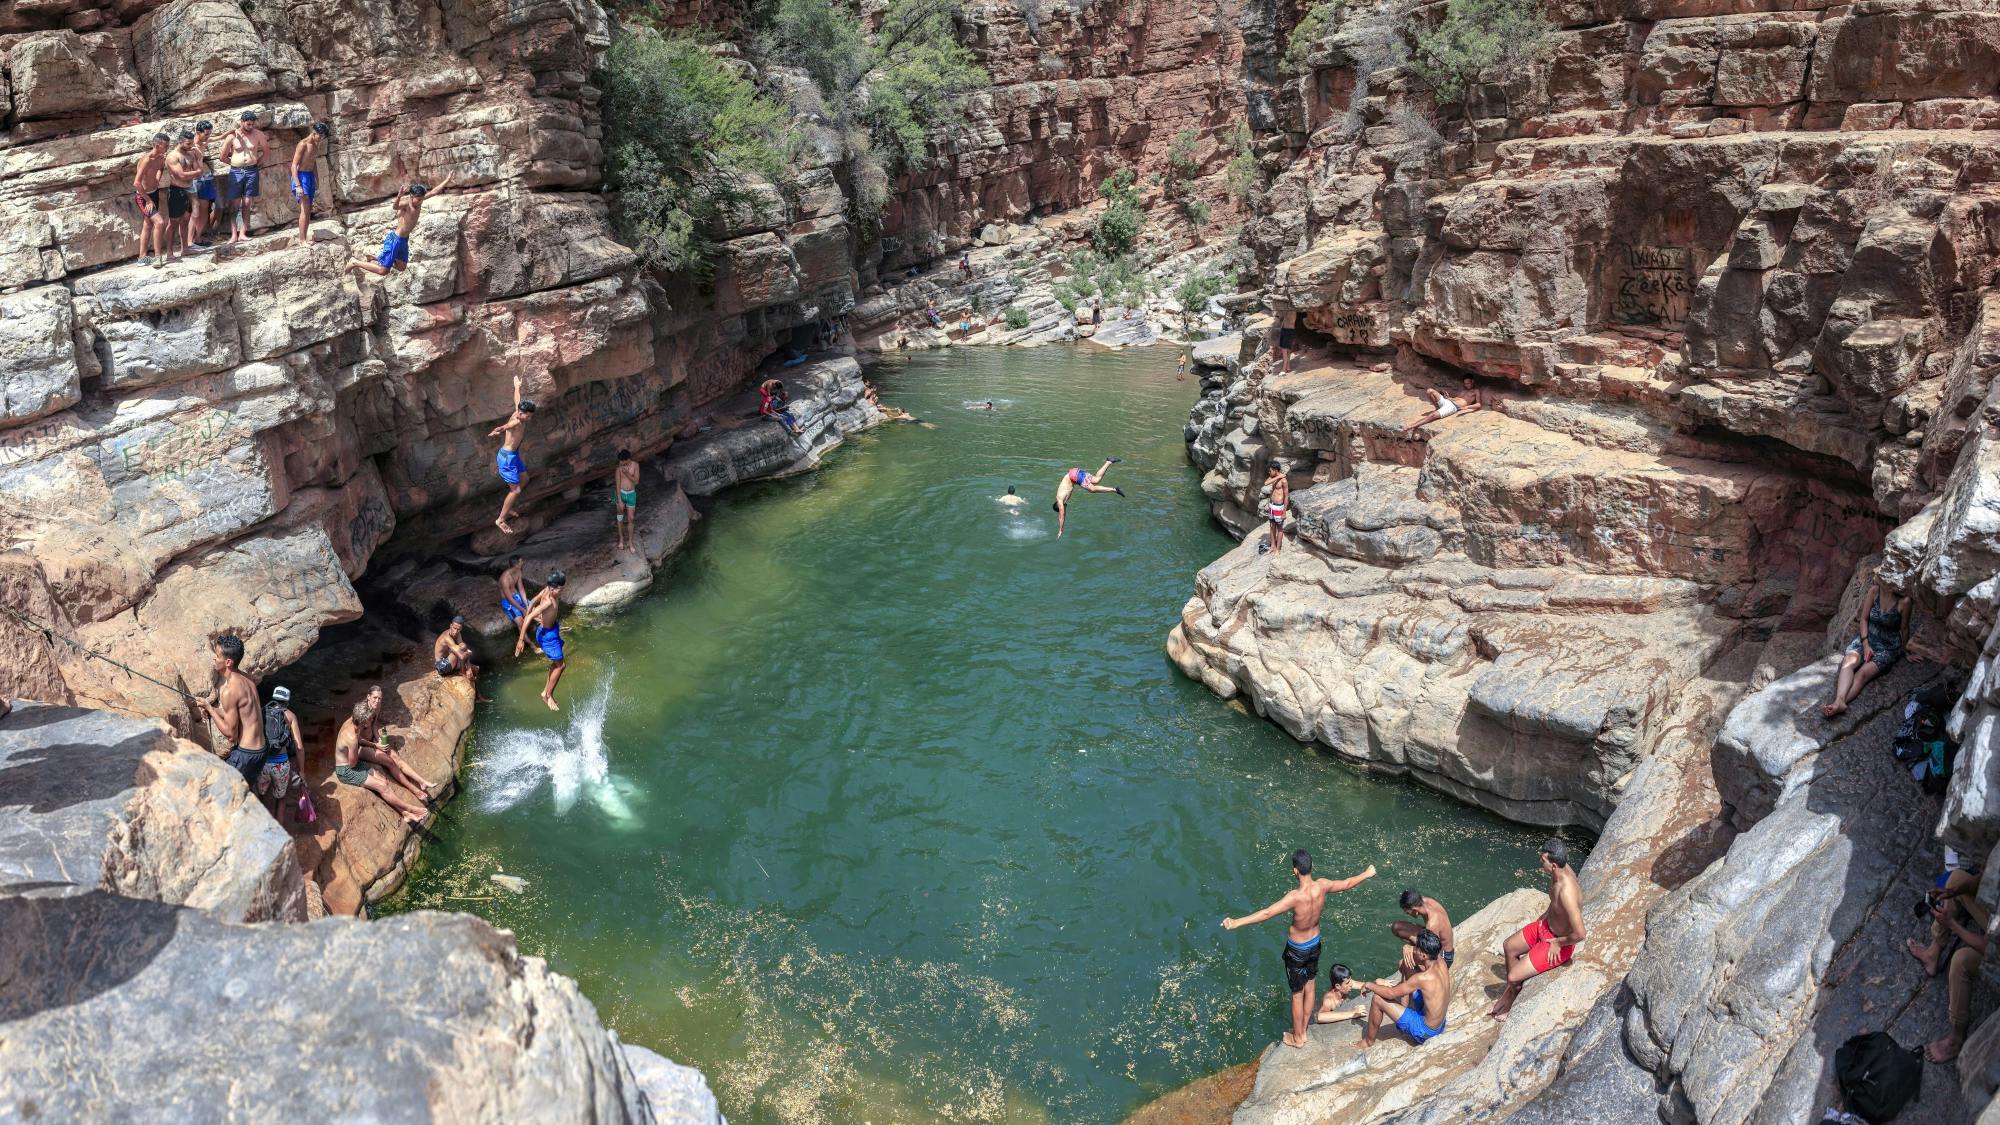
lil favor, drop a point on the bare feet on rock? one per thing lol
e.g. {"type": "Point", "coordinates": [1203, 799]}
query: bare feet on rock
{"type": "Point", "coordinates": [1943, 1050]}
{"type": "Point", "coordinates": [1925, 955]}
{"type": "Point", "coordinates": [1829, 710]}
{"type": "Point", "coordinates": [1289, 1041]}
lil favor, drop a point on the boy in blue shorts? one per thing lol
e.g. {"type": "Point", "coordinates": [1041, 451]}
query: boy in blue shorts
{"type": "Point", "coordinates": [395, 255]}
{"type": "Point", "coordinates": [543, 616]}
{"type": "Point", "coordinates": [305, 174]}
{"type": "Point", "coordinates": [1417, 1004]}
{"type": "Point", "coordinates": [507, 462]}
{"type": "Point", "coordinates": [513, 591]}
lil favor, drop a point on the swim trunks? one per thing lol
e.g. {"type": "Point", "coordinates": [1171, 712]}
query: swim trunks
{"type": "Point", "coordinates": [395, 251]}
{"type": "Point", "coordinates": [629, 497]}
{"type": "Point", "coordinates": [243, 183]}
{"type": "Point", "coordinates": [178, 204]}
{"type": "Point", "coordinates": [1447, 407]}
{"type": "Point", "coordinates": [149, 202]}
{"type": "Point", "coordinates": [1411, 1022]}
{"type": "Point", "coordinates": [305, 185]}
{"type": "Point", "coordinates": [1277, 514]}
{"type": "Point", "coordinates": [508, 463]}
{"type": "Point", "coordinates": [275, 779]}
{"type": "Point", "coordinates": [246, 762]}
{"type": "Point", "coordinates": [1078, 476]}
{"type": "Point", "coordinates": [1284, 337]}
{"type": "Point", "coordinates": [549, 639]}
{"type": "Point", "coordinates": [514, 605]}
{"type": "Point", "coordinates": [1301, 964]}
{"type": "Point", "coordinates": [204, 187]}
{"type": "Point", "coordinates": [1542, 951]}
{"type": "Point", "coordinates": [356, 774]}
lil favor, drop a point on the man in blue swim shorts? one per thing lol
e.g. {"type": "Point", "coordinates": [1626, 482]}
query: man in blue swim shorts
{"type": "Point", "coordinates": [305, 174]}
{"type": "Point", "coordinates": [513, 591]}
{"type": "Point", "coordinates": [507, 462]}
{"type": "Point", "coordinates": [408, 207]}
{"type": "Point", "coordinates": [1301, 956]}
{"type": "Point", "coordinates": [1416, 1005]}
{"type": "Point", "coordinates": [207, 203]}
{"type": "Point", "coordinates": [543, 616]}
{"type": "Point", "coordinates": [1090, 482]}
{"type": "Point", "coordinates": [244, 150]}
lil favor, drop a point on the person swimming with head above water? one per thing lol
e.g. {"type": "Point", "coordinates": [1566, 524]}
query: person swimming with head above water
{"type": "Point", "coordinates": [1090, 482]}
{"type": "Point", "coordinates": [1013, 501]}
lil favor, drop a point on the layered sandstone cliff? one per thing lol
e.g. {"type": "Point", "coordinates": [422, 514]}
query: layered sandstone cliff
{"type": "Point", "coordinates": [1725, 278]}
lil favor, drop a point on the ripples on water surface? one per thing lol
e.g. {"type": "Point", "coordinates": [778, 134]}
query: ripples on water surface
{"type": "Point", "coordinates": [886, 805]}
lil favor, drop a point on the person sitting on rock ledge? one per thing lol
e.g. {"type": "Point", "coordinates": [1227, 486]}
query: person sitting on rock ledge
{"type": "Point", "coordinates": [1090, 482]}
{"type": "Point", "coordinates": [1340, 987]}
{"type": "Point", "coordinates": [1550, 940]}
{"type": "Point", "coordinates": [776, 403]}
{"type": "Point", "coordinates": [235, 712]}
{"type": "Point", "coordinates": [507, 461]}
{"type": "Point", "coordinates": [1430, 915]}
{"type": "Point", "coordinates": [452, 656]}
{"type": "Point", "coordinates": [1880, 632]}
{"type": "Point", "coordinates": [625, 480]}
{"type": "Point", "coordinates": [408, 207]}
{"type": "Point", "coordinates": [1405, 1004]}
{"type": "Point", "coordinates": [355, 741]}
{"type": "Point", "coordinates": [1305, 902]}
{"type": "Point", "coordinates": [544, 615]}
{"type": "Point", "coordinates": [1957, 919]}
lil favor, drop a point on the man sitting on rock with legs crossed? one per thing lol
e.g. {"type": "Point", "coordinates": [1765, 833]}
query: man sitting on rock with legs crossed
{"type": "Point", "coordinates": [544, 615]}
{"type": "Point", "coordinates": [349, 769]}
{"type": "Point", "coordinates": [1550, 940]}
{"type": "Point", "coordinates": [235, 711]}
{"type": "Point", "coordinates": [1417, 1005]}
{"type": "Point", "coordinates": [1301, 956]}
{"type": "Point", "coordinates": [1090, 482]}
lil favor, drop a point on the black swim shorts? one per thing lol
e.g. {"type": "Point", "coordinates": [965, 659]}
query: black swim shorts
{"type": "Point", "coordinates": [1301, 965]}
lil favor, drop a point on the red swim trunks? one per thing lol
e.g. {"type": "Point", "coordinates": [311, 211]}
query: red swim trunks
{"type": "Point", "coordinates": [1542, 951]}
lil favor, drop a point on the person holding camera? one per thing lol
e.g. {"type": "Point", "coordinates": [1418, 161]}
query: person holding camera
{"type": "Point", "coordinates": [1958, 944]}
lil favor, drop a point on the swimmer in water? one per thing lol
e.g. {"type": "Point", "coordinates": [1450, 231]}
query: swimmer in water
{"type": "Point", "coordinates": [1012, 502]}
{"type": "Point", "coordinates": [1090, 482]}
{"type": "Point", "coordinates": [987, 405]}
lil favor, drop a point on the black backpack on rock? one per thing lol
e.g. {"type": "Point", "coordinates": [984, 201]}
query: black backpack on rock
{"type": "Point", "coordinates": [1877, 1075]}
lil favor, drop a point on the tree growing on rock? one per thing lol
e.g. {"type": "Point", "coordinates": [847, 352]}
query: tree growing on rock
{"type": "Point", "coordinates": [683, 130]}
{"type": "Point", "coordinates": [1117, 229]}
{"type": "Point", "coordinates": [1474, 37]}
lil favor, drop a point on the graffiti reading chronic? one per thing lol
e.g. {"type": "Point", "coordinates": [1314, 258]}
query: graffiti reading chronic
{"type": "Point", "coordinates": [1654, 285]}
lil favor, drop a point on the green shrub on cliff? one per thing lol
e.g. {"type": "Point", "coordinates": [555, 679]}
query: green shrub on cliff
{"type": "Point", "coordinates": [682, 130]}
{"type": "Point", "coordinates": [1118, 226]}
{"type": "Point", "coordinates": [1476, 36]}
{"type": "Point", "coordinates": [1195, 292]}
{"type": "Point", "coordinates": [903, 82]}
{"type": "Point", "coordinates": [1241, 173]}
{"type": "Point", "coordinates": [1320, 21]}
{"type": "Point", "coordinates": [1017, 317]}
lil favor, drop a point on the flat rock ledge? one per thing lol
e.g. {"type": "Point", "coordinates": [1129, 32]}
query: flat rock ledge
{"type": "Point", "coordinates": [130, 862]}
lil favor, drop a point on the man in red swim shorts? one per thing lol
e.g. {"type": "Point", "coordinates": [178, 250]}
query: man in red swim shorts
{"type": "Point", "coordinates": [1550, 940]}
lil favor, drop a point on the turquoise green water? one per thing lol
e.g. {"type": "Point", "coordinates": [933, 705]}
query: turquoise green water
{"type": "Point", "coordinates": [886, 805]}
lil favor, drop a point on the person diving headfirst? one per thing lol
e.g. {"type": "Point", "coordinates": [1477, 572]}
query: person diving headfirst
{"type": "Point", "coordinates": [1090, 482]}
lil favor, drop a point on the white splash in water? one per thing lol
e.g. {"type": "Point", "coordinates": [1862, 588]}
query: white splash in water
{"type": "Point", "coordinates": [574, 764]}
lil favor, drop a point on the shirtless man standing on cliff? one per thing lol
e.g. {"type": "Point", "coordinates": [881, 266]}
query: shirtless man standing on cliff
{"type": "Point", "coordinates": [1301, 957]}
{"type": "Point", "coordinates": [349, 769]}
{"type": "Point", "coordinates": [235, 710]}
{"type": "Point", "coordinates": [507, 462]}
{"type": "Point", "coordinates": [1550, 940]}
{"type": "Point", "coordinates": [1278, 507]}
{"type": "Point", "coordinates": [544, 614]}
{"type": "Point", "coordinates": [152, 200]}
{"type": "Point", "coordinates": [625, 479]}
{"type": "Point", "coordinates": [1089, 482]}
{"type": "Point", "coordinates": [408, 206]}
{"type": "Point", "coordinates": [244, 150]}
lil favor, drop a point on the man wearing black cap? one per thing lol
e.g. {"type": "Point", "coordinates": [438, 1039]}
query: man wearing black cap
{"type": "Point", "coordinates": [244, 149]}
{"type": "Point", "coordinates": [453, 656]}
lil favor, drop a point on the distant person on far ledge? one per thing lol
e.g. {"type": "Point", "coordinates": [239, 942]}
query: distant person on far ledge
{"type": "Point", "coordinates": [1880, 632]}
{"type": "Point", "coordinates": [625, 481]}
{"type": "Point", "coordinates": [1287, 336]}
{"type": "Point", "coordinates": [1550, 940]}
{"type": "Point", "coordinates": [1278, 507]}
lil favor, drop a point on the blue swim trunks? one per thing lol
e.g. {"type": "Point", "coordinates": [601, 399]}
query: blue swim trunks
{"type": "Point", "coordinates": [395, 251]}
{"type": "Point", "coordinates": [243, 183]}
{"type": "Point", "coordinates": [509, 463]}
{"type": "Point", "coordinates": [549, 638]}
{"type": "Point", "coordinates": [514, 606]}
{"type": "Point", "coordinates": [1411, 1022]}
{"type": "Point", "coordinates": [204, 188]}
{"type": "Point", "coordinates": [305, 185]}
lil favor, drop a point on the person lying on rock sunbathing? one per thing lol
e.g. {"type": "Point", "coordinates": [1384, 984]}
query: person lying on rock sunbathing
{"type": "Point", "coordinates": [1301, 956]}
{"type": "Point", "coordinates": [544, 614]}
{"type": "Point", "coordinates": [507, 462]}
{"type": "Point", "coordinates": [1881, 628]}
{"type": "Point", "coordinates": [349, 747]}
{"type": "Point", "coordinates": [625, 480]}
{"type": "Point", "coordinates": [1418, 1005]}
{"type": "Point", "coordinates": [1550, 940]}
{"type": "Point", "coordinates": [408, 207]}
{"type": "Point", "coordinates": [1442, 407]}
{"type": "Point", "coordinates": [1089, 482]}
{"type": "Point", "coordinates": [452, 656]}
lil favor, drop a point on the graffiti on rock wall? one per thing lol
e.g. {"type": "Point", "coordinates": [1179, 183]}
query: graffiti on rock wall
{"type": "Point", "coordinates": [1654, 284]}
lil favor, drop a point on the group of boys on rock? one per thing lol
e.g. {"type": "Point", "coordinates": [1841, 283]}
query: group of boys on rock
{"type": "Point", "coordinates": [1417, 999]}
{"type": "Point", "coordinates": [179, 193]}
